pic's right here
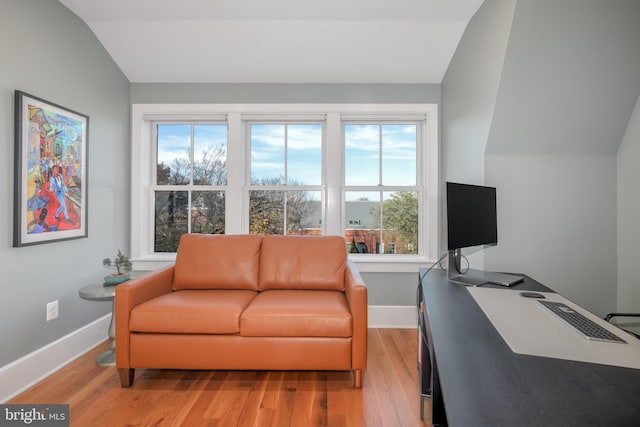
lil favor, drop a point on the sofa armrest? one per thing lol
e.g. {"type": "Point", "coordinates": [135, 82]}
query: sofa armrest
{"type": "Point", "coordinates": [356, 293]}
{"type": "Point", "coordinates": [130, 294]}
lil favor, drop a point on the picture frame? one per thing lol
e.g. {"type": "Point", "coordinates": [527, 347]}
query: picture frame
{"type": "Point", "coordinates": [50, 176]}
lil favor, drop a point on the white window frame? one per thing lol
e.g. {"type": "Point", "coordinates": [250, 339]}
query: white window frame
{"type": "Point", "coordinates": [143, 165]}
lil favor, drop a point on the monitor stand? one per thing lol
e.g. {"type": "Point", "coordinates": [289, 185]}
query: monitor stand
{"type": "Point", "coordinates": [476, 277]}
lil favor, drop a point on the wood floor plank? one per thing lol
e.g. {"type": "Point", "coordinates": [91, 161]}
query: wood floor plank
{"type": "Point", "coordinates": [389, 396]}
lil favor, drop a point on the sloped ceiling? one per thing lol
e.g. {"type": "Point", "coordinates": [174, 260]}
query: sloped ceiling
{"type": "Point", "coordinates": [279, 41]}
{"type": "Point", "coordinates": [570, 79]}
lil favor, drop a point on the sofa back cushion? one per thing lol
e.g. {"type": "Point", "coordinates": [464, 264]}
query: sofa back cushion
{"type": "Point", "coordinates": [303, 262]}
{"type": "Point", "coordinates": [210, 261]}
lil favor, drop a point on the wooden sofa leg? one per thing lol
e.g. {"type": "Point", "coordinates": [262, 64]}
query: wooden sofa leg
{"type": "Point", "coordinates": [357, 378]}
{"type": "Point", "coordinates": [126, 376]}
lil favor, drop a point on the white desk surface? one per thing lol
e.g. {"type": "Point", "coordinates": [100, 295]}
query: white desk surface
{"type": "Point", "coordinates": [529, 328]}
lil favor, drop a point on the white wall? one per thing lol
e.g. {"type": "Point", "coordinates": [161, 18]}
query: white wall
{"type": "Point", "coordinates": [629, 216]}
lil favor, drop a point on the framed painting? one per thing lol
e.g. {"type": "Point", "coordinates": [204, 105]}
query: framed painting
{"type": "Point", "coordinates": [50, 193]}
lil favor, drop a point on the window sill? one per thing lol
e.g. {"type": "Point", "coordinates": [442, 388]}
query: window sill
{"type": "Point", "coordinates": [365, 263]}
{"type": "Point", "coordinates": [389, 263]}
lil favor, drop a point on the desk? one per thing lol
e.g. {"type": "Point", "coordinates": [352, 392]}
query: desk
{"type": "Point", "coordinates": [103, 293]}
{"type": "Point", "coordinates": [478, 381]}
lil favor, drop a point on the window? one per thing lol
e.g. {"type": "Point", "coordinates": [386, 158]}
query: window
{"type": "Point", "coordinates": [381, 191]}
{"type": "Point", "coordinates": [190, 181]}
{"type": "Point", "coordinates": [285, 184]}
{"type": "Point", "coordinates": [367, 172]}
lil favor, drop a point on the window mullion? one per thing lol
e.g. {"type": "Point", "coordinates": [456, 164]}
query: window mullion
{"type": "Point", "coordinates": [381, 234]}
{"type": "Point", "coordinates": [286, 156]}
{"type": "Point", "coordinates": [284, 208]}
{"type": "Point", "coordinates": [189, 209]}
{"type": "Point", "coordinates": [236, 212]}
{"type": "Point", "coordinates": [380, 155]}
{"type": "Point", "coordinates": [333, 167]}
{"type": "Point", "coordinates": [192, 156]}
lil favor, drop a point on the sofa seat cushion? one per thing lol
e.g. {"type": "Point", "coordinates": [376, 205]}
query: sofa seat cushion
{"type": "Point", "coordinates": [192, 312]}
{"type": "Point", "coordinates": [297, 313]}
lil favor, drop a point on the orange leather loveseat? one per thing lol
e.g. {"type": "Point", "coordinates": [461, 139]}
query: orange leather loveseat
{"type": "Point", "coordinates": [245, 302]}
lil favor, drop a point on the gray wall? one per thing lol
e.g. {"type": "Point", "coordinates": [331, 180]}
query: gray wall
{"type": "Point", "coordinates": [469, 92]}
{"type": "Point", "coordinates": [557, 223]}
{"type": "Point", "coordinates": [221, 93]}
{"type": "Point", "coordinates": [567, 87]}
{"type": "Point", "coordinates": [50, 53]}
{"type": "Point", "coordinates": [628, 216]}
{"type": "Point", "coordinates": [570, 78]}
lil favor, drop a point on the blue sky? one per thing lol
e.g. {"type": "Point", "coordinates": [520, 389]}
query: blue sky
{"type": "Point", "coordinates": [174, 140]}
{"type": "Point", "coordinates": [364, 144]}
{"type": "Point", "coordinates": [303, 146]}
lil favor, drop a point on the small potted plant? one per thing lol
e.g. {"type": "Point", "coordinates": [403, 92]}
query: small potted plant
{"type": "Point", "coordinates": [122, 266]}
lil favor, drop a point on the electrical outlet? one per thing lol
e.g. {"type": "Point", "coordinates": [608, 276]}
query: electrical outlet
{"type": "Point", "coordinates": [52, 310]}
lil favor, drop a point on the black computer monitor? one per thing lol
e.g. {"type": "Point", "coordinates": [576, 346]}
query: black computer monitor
{"type": "Point", "coordinates": [471, 216]}
{"type": "Point", "coordinates": [472, 221]}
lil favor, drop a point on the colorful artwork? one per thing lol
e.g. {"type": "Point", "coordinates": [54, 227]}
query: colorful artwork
{"type": "Point", "coordinates": [50, 177]}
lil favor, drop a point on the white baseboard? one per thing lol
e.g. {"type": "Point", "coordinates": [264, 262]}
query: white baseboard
{"type": "Point", "coordinates": [393, 316]}
{"type": "Point", "coordinates": [25, 372]}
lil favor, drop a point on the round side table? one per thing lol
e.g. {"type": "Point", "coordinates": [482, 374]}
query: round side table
{"type": "Point", "coordinates": [103, 293]}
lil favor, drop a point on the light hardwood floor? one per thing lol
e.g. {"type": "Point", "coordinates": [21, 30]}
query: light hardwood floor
{"type": "Point", "coordinates": [389, 396]}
